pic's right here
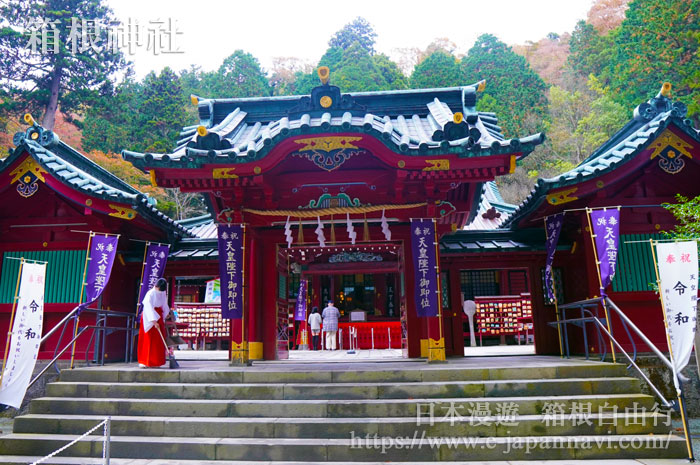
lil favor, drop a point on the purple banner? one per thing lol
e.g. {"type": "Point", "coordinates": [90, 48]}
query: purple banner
{"type": "Point", "coordinates": [300, 308]}
{"type": "Point", "coordinates": [153, 268]}
{"type": "Point", "coordinates": [103, 249]}
{"type": "Point", "coordinates": [606, 230]}
{"type": "Point", "coordinates": [231, 270]}
{"type": "Point", "coordinates": [552, 229]}
{"type": "Point", "coordinates": [424, 267]}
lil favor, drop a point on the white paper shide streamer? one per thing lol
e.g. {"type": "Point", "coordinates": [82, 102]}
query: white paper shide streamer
{"type": "Point", "coordinates": [288, 233]}
{"type": "Point", "coordinates": [351, 230]}
{"type": "Point", "coordinates": [26, 334]}
{"type": "Point", "coordinates": [678, 275]}
{"type": "Point", "coordinates": [385, 227]}
{"type": "Point", "coordinates": [319, 233]}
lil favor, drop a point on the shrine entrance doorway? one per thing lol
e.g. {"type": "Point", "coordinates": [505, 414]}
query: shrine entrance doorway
{"type": "Point", "coordinates": [365, 282]}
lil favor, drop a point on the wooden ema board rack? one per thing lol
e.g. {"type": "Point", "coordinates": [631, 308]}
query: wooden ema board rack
{"type": "Point", "coordinates": [204, 322]}
{"type": "Point", "coordinates": [503, 315]}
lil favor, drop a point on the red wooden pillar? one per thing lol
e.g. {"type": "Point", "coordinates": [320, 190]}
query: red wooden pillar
{"type": "Point", "coordinates": [255, 291]}
{"type": "Point", "coordinates": [315, 291]}
{"type": "Point", "coordinates": [416, 327]}
{"type": "Point", "coordinates": [268, 312]}
{"type": "Point", "coordinates": [546, 336]}
{"type": "Point", "coordinates": [456, 312]}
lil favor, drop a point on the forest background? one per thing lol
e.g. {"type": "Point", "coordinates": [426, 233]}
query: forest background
{"type": "Point", "coordinates": [579, 87]}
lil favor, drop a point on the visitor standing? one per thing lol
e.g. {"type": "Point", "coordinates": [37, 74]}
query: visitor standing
{"type": "Point", "coordinates": [330, 325]}
{"type": "Point", "coordinates": [315, 325]}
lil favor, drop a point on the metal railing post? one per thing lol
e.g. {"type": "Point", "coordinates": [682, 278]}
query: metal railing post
{"type": "Point", "coordinates": [108, 440]}
{"type": "Point", "coordinates": [639, 333]}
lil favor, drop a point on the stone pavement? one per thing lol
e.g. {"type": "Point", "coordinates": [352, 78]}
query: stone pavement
{"type": "Point", "coordinates": [89, 461]}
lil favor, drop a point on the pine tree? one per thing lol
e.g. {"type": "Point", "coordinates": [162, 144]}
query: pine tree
{"type": "Point", "coordinates": [63, 70]}
{"type": "Point", "coordinates": [518, 93]}
{"type": "Point", "coordinates": [439, 69]}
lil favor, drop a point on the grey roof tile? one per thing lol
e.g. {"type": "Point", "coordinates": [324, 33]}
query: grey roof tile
{"type": "Point", "coordinates": [649, 120]}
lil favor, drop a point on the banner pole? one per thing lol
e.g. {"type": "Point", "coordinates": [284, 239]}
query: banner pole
{"type": "Point", "coordinates": [554, 293]}
{"type": "Point", "coordinates": [80, 302]}
{"type": "Point", "coordinates": [12, 321]}
{"type": "Point", "coordinates": [600, 281]}
{"type": "Point", "coordinates": [440, 356]}
{"type": "Point", "coordinates": [138, 304]}
{"type": "Point", "coordinates": [679, 392]}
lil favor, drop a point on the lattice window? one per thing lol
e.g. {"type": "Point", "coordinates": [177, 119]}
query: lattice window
{"type": "Point", "coordinates": [558, 284]}
{"type": "Point", "coordinates": [479, 283]}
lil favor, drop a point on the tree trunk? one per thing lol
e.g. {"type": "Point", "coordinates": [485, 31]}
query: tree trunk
{"type": "Point", "coordinates": [52, 105]}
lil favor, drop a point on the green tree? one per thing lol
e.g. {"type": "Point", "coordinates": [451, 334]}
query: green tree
{"type": "Point", "coordinates": [240, 75]}
{"type": "Point", "coordinates": [590, 52]}
{"type": "Point", "coordinates": [658, 41]}
{"type": "Point", "coordinates": [391, 72]}
{"type": "Point", "coordinates": [111, 123]}
{"type": "Point", "coordinates": [354, 70]}
{"type": "Point", "coordinates": [161, 111]}
{"type": "Point", "coordinates": [518, 93]}
{"type": "Point", "coordinates": [358, 72]}
{"type": "Point", "coordinates": [63, 70]}
{"type": "Point", "coordinates": [359, 30]}
{"type": "Point", "coordinates": [687, 214]}
{"type": "Point", "coordinates": [439, 69]}
{"type": "Point", "coordinates": [605, 118]}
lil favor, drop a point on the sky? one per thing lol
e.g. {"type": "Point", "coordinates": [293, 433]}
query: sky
{"type": "Point", "coordinates": [207, 32]}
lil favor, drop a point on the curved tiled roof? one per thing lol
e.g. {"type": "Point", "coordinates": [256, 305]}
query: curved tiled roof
{"type": "Point", "coordinates": [201, 227]}
{"type": "Point", "coordinates": [649, 121]}
{"type": "Point", "coordinates": [82, 174]}
{"type": "Point", "coordinates": [411, 122]}
{"type": "Point", "coordinates": [493, 210]}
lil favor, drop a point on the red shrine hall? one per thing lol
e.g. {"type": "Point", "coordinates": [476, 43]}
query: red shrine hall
{"type": "Point", "coordinates": [326, 186]}
{"type": "Point", "coordinates": [369, 162]}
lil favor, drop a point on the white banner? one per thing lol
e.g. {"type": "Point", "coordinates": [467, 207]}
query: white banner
{"type": "Point", "coordinates": [678, 272]}
{"type": "Point", "coordinates": [26, 334]}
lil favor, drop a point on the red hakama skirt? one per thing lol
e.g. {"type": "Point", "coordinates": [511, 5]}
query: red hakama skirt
{"type": "Point", "coordinates": [151, 350]}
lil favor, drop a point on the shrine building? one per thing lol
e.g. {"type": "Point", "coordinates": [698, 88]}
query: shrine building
{"type": "Point", "coordinates": [330, 159]}
{"type": "Point", "coordinates": [326, 185]}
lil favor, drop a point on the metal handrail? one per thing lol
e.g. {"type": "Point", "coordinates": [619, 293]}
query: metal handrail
{"type": "Point", "coordinates": [639, 333]}
{"type": "Point", "coordinates": [57, 356]}
{"type": "Point", "coordinates": [619, 347]}
{"type": "Point", "coordinates": [584, 307]}
{"type": "Point", "coordinates": [581, 303]}
{"type": "Point", "coordinates": [64, 324]}
{"type": "Point", "coordinates": [55, 328]}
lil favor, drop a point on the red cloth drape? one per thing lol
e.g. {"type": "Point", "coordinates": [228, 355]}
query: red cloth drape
{"type": "Point", "coordinates": [151, 351]}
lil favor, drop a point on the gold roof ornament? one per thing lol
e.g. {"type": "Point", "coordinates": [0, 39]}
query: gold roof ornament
{"type": "Point", "coordinates": [666, 90]}
{"type": "Point", "coordinates": [194, 100]}
{"type": "Point", "coordinates": [202, 131]}
{"type": "Point", "coordinates": [481, 85]}
{"type": "Point", "coordinates": [324, 74]}
{"type": "Point", "coordinates": [28, 119]}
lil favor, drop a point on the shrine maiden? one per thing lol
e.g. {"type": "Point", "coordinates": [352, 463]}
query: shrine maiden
{"type": "Point", "coordinates": [151, 349]}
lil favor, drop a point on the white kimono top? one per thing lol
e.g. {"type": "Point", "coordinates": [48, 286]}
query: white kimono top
{"type": "Point", "coordinates": [154, 298]}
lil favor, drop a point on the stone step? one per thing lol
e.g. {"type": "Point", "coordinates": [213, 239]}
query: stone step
{"type": "Point", "coordinates": [452, 425]}
{"type": "Point", "coordinates": [361, 408]}
{"type": "Point", "coordinates": [414, 448]}
{"type": "Point", "coordinates": [227, 375]}
{"type": "Point", "coordinates": [384, 390]}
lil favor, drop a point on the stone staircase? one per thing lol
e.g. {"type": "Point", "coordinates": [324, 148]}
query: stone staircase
{"type": "Point", "coordinates": [531, 408]}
